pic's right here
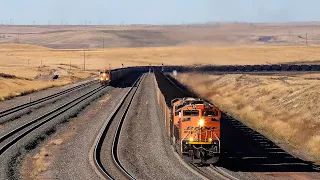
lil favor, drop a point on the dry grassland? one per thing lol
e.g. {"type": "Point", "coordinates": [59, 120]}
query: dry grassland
{"type": "Point", "coordinates": [14, 62]}
{"type": "Point", "coordinates": [24, 61]}
{"type": "Point", "coordinates": [284, 108]}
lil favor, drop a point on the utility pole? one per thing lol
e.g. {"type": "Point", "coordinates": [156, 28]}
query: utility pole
{"type": "Point", "coordinates": [306, 39]}
{"type": "Point", "coordinates": [84, 60]}
{"type": "Point", "coordinates": [289, 33]}
{"type": "Point", "coordinates": [18, 37]}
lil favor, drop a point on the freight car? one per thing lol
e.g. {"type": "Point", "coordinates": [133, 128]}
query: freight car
{"type": "Point", "coordinates": [105, 77]}
{"type": "Point", "coordinates": [195, 130]}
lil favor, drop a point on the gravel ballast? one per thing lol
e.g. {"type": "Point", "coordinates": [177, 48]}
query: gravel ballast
{"type": "Point", "coordinates": [65, 155]}
{"type": "Point", "coordinates": [11, 159]}
{"type": "Point", "coordinates": [144, 150]}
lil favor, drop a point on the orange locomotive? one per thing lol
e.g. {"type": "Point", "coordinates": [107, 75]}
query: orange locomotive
{"type": "Point", "coordinates": [195, 130]}
{"type": "Point", "coordinates": [105, 77]}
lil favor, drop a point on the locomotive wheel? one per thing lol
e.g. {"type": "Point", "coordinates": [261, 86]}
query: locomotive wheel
{"type": "Point", "coordinates": [215, 159]}
{"type": "Point", "coordinates": [186, 158]}
{"type": "Point", "coordinates": [176, 148]}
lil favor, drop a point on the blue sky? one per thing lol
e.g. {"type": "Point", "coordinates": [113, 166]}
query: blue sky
{"type": "Point", "coordinates": [156, 12]}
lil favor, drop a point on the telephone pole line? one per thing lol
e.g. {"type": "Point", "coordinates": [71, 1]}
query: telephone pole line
{"type": "Point", "coordinates": [84, 60]}
{"type": "Point", "coordinates": [18, 37]}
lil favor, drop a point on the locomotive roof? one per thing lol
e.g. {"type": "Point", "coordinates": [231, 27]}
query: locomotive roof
{"type": "Point", "coordinates": [194, 102]}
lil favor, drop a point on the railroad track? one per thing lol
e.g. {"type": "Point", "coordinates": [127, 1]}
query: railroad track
{"type": "Point", "coordinates": [44, 99]}
{"type": "Point", "coordinates": [12, 137]}
{"type": "Point", "coordinates": [114, 122]}
{"type": "Point", "coordinates": [221, 173]}
{"type": "Point", "coordinates": [212, 172]}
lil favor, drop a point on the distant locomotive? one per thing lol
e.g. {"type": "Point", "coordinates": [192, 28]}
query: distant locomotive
{"type": "Point", "coordinates": [105, 77]}
{"type": "Point", "coordinates": [195, 130]}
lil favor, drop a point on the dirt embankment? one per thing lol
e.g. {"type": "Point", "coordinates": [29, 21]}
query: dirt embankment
{"type": "Point", "coordinates": [286, 109]}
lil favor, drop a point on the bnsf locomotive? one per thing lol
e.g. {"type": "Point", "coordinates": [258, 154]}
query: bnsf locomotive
{"type": "Point", "coordinates": [105, 77]}
{"type": "Point", "coordinates": [195, 130]}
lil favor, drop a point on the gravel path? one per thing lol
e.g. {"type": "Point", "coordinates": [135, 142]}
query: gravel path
{"type": "Point", "coordinates": [65, 155]}
{"type": "Point", "coordinates": [144, 150]}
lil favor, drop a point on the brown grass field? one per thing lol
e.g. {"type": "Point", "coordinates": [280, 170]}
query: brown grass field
{"type": "Point", "coordinates": [284, 108]}
{"type": "Point", "coordinates": [14, 59]}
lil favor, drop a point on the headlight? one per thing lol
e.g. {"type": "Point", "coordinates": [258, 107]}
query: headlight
{"type": "Point", "coordinates": [101, 79]}
{"type": "Point", "coordinates": [201, 122]}
{"type": "Point", "coordinates": [210, 139]}
{"type": "Point", "coordinates": [191, 139]}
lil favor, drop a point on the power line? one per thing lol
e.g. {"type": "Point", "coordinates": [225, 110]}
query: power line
{"type": "Point", "coordinates": [84, 60]}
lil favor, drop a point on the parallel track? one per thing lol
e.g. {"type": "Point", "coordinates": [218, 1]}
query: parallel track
{"type": "Point", "coordinates": [98, 146]}
{"type": "Point", "coordinates": [9, 139]}
{"type": "Point", "coordinates": [32, 103]}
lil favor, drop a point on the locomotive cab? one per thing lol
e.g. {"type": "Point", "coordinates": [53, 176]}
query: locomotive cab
{"type": "Point", "coordinates": [105, 77]}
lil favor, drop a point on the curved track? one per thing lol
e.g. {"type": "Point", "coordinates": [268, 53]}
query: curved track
{"type": "Point", "coordinates": [9, 139]}
{"type": "Point", "coordinates": [250, 152]}
{"type": "Point", "coordinates": [16, 109]}
{"type": "Point", "coordinates": [114, 169]}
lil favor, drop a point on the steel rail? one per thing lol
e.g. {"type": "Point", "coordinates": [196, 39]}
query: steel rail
{"type": "Point", "coordinates": [104, 130]}
{"type": "Point", "coordinates": [38, 101]}
{"type": "Point", "coordinates": [222, 173]}
{"type": "Point", "coordinates": [46, 118]}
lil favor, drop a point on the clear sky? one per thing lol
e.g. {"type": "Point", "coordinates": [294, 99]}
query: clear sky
{"type": "Point", "coordinates": [156, 11]}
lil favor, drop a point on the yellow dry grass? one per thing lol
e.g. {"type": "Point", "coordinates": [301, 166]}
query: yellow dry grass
{"type": "Point", "coordinates": [284, 108]}
{"type": "Point", "coordinates": [24, 60]}
{"type": "Point", "coordinates": [17, 87]}
{"type": "Point", "coordinates": [98, 58]}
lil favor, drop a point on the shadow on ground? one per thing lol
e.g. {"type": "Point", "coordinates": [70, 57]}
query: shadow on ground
{"type": "Point", "coordinates": [247, 150]}
{"type": "Point", "coordinates": [244, 149]}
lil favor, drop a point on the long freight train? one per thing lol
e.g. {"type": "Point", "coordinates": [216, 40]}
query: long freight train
{"type": "Point", "coordinates": [195, 130]}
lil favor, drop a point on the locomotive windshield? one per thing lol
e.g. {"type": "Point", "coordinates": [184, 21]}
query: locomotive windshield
{"type": "Point", "coordinates": [210, 113]}
{"type": "Point", "coordinates": [191, 113]}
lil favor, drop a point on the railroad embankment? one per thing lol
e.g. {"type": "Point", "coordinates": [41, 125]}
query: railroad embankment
{"type": "Point", "coordinates": [286, 109]}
